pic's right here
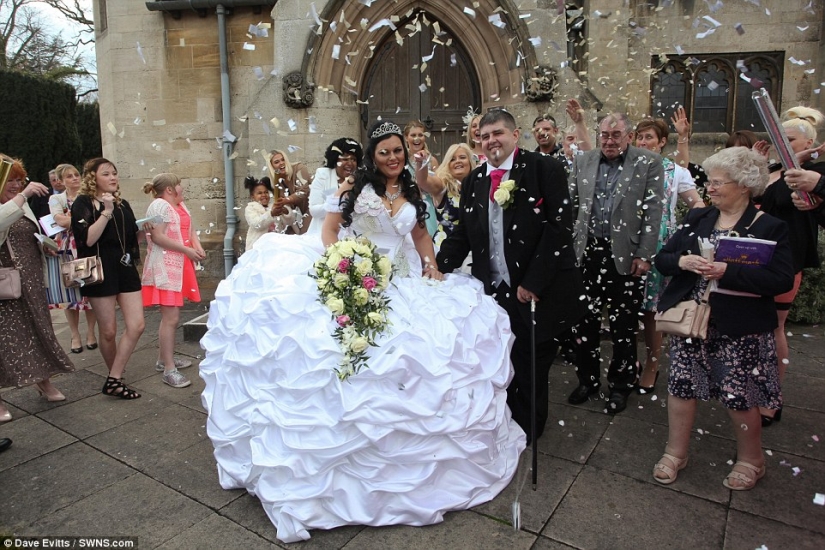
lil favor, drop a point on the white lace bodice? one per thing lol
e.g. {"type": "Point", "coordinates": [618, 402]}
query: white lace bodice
{"type": "Point", "coordinates": [390, 234]}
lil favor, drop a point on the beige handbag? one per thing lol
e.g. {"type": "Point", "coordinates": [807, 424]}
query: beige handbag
{"type": "Point", "coordinates": [688, 319]}
{"type": "Point", "coordinates": [82, 272]}
{"type": "Point", "coordinates": [10, 288]}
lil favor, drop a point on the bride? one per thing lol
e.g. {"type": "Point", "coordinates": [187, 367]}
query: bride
{"type": "Point", "coordinates": [423, 431]}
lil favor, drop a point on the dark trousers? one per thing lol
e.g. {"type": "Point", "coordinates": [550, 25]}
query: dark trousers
{"type": "Point", "coordinates": [622, 295]}
{"type": "Point", "coordinates": [518, 392]}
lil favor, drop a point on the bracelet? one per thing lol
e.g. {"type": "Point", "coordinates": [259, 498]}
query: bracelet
{"type": "Point", "coordinates": [429, 266]}
{"type": "Point", "coordinates": [687, 139]}
{"type": "Point", "coordinates": [25, 198]}
{"type": "Point", "coordinates": [107, 215]}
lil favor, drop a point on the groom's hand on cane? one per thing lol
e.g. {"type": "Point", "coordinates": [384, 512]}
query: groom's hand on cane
{"type": "Point", "coordinates": [525, 295]}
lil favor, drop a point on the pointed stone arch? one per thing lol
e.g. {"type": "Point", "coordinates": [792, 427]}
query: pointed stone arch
{"type": "Point", "coordinates": [504, 58]}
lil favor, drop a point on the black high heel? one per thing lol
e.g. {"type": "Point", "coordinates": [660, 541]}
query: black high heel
{"type": "Point", "coordinates": [768, 420]}
{"type": "Point", "coordinates": [641, 390]}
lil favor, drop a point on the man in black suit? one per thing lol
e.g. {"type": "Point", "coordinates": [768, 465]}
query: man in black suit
{"type": "Point", "coordinates": [516, 219]}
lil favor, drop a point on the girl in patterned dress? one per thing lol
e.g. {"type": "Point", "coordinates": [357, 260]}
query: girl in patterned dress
{"type": "Point", "coordinates": [60, 297]}
{"type": "Point", "coordinates": [168, 274]}
{"type": "Point", "coordinates": [651, 134]}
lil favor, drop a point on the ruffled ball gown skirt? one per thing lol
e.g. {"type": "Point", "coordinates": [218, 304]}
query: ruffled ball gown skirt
{"type": "Point", "coordinates": [422, 431]}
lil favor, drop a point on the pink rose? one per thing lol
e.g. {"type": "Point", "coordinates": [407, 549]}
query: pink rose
{"type": "Point", "coordinates": [368, 282]}
{"type": "Point", "coordinates": [342, 320]}
{"type": "Point", "coordinates": [343, 265]}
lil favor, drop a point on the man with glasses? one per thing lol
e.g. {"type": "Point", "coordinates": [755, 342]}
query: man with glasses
{"type": "Point", "coordinates": [617, 192]}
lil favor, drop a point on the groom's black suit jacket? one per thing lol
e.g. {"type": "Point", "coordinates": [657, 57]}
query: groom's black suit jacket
{"type": "Point", "coordinates": [538, 243]}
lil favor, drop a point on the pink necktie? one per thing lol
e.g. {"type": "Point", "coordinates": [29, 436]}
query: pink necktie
{"type": "Point", "coordinates": [495, 181]}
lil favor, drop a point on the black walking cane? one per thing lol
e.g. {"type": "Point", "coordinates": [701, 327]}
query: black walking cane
{"type": "Point", "coordinates": [533, 390]}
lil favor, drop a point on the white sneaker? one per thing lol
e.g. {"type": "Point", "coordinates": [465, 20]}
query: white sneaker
{"type": "Point", "coordinates": [175, 379]}
{"type": "Point", "coordinates": [180, 363]}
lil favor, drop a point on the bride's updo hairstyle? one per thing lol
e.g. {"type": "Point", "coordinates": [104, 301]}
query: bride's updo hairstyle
{"type": "Point", "coordinates": [369, 174]}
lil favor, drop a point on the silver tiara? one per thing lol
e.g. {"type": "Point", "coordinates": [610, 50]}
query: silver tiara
{"type": "Point", "coordinates": [386, 129]}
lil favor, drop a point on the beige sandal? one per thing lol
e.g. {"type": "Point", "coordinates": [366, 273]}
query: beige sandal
{"type": "Point", "coordinates": [671, 473]}
{"type": "Point", "coordinates": [746, 482]}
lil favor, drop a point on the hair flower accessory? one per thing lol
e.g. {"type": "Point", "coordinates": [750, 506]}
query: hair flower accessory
{"type": "Point", "coordinates": [504, 195]}
{"type": "Point", "coordinates": [351, 278]}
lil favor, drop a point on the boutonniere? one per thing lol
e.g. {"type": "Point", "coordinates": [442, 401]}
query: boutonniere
{"type": "Point", "coordinates": [504, 194]}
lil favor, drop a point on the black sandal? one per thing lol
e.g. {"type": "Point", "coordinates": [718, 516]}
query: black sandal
{"type": "Point", "coordinates": [115, 388]}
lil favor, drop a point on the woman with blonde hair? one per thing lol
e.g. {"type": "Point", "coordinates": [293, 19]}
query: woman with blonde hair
{"type": "Point", "coordinates": [169, 272]}
{"type": "Point", "coordinates": [800, 124]}
{"type": "Point", "coordinates": [445, 187]}
{"type": "Point", "coordinates": [291, 182]}
{"type": "Point", "coordinates": [70, 300]}
{"type": "Point", "coordinates": [474, 138]}
{"type": "Point", "coordinates": [104, 225]}
{"type": "Point", "coordinates": [423, 165]}
{"type": "Point", "coordinates": [31, 353]}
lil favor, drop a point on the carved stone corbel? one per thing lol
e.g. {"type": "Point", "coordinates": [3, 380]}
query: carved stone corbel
{"type": "Point", "coordinates": [298, 94]}
{"type": "Point", "coordinates": [541, 86]}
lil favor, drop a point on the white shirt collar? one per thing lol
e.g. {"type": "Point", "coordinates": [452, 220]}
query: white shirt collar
{"type": "Point", "coordinates": [507, 165]}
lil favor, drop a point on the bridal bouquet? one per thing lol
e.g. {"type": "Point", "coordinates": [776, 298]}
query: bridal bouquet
{"type": "Point", "coordinates": [351, 278]}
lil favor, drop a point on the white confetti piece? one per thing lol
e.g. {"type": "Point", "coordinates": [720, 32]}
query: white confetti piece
{"type": "Point", "coordinates": [259, 73]}
{"type": "Point", "coordinates": [819, 499]}
{"type": "Point", "coordinates": [740, 30]}
{"type": "Point", "coordinates": [111, 128]}
{"type": "Point", "coordinates": [313, 125]}
{"type": "Point", "coordinates": [471, 12]}
{"type": "Point", "coordinates": [815, 438]}
{"type": "Point", "coordinates": [140, 53]}
{"type": "Point", "coordinates": [796, 471]}
{"type": "Point", "coordinates": [336, 51]}
{"type": "Point", "coordinates": [161, 122]}
{"type": "Point", "coordinates": [248, 46]}
{"type": "Point", "coordinates": [292, 125]}
{"type": "Point", "coordinates": [712, 85]}
{"type": "Point", "coordinates": [382, 23]}
{"type": "Point", "coordinates": [561, 422]}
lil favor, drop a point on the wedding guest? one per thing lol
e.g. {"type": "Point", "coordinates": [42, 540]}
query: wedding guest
{"type": "Point", "coordinates": [445, 187]}
{"type": "Point", "coordinates": [736, 364]}
{"type": "Point", "coordinates": [474, 137]}
{"type": "Point", "coordinates": [5, 444]}
{"type": "Point", "coordinates": [800, 126]}
{"type": "Point", "coordinates": [260, 218]}
{"type": "Point", "coordinates": [422, 160]}
{"type": "Point", "coordinates": [68, 299]}
{"type": "Point", "coordinates": [290, 184]}
{"type": "Point", "coordinates": [341, 159]}
{"type": "Point", "coordinates": [651, 134]}
{"type": "Point", "coordinates": [546, 133]}
{"type": "Point", "coordinates": [31, 353]}
{"type": "Point", "coordinates": [169, 272]}
{"type": "Point", "coordinates": [617, 200]}
{"type": "Point", "coordinates": [104, 226]}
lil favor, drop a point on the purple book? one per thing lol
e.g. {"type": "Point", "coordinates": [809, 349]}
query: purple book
{"type": "Point", "coordinates": [744, 251]}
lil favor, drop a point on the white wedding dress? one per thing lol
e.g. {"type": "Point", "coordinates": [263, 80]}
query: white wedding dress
{"type": "Point", "coordinates": [423, 431]}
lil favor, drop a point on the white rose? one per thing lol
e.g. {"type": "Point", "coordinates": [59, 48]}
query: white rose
{"type": "Point", "coordinates": [375, 317]}
{"type": "Point", "coordinates": [384, 265]}
{"type": "Point", "coordinates": [501, 195]}
{"type": "Point", "coordinates": [509, 185]}
{"type": "Point", "coordinates": [341, 280]}
{"type": "Point", "coordinates": [363, 267]}
{"type": "Point", "coordinates": [359, 344]}
{"type": "Point", "coordinates": [336, 305]}
{"type": "Point", "coordinates": [361, 296]}
{"type": "Point", "coordinates": [334, 259]}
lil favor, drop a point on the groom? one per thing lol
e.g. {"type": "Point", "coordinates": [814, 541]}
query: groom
{"type": "Point", "coordinates": [516, 219]}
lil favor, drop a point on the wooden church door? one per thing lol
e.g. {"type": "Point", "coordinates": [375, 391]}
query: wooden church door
{"type": "Point", "coordinates": [439, 96]}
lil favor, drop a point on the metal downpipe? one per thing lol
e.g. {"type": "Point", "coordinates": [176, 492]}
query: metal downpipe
{"type": "Point", "coordinates": [228, 167]}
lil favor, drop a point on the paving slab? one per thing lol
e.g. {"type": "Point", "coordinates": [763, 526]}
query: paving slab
{"type": "Point", "coordinates": [544, 543]}
{"type": "Point", "coordinates": [632, 447]}
{"type": "Point", "coordinates": [32, 437]}
{"type": "Point", "coordinates": [801, 391]}
{"type": "Point", "coordinates": [746, 531]}
{"type": "Point", "coordinates": [796, 433]}
{"type": "Point", "coordinates": [189, 395]}
{"type": "Point", "coordinates": [608, 510]}
{"type": "Point", "coordinates": [458, 530]}
{"type": "Point", "coordinates": [216, 532]}
{"type": "Point", "coordinates": [555, 476]}
{"type": "Point", "coordinates": [54, 481]}
{"type": "Point", "coordinates": [100, 413]}
{"type": "Point", "coordinates": [577, 437]}
{"type": "Point", "coordinates": [248, 512]}
{"type": "Point", "coordinates": [785, 497]}
{"type": "Point", "coordinates": [136, 506]}
{"type": "Point", "coordinates": [194, 473]}
{"type": "Point", "coordinates": [151, 438]}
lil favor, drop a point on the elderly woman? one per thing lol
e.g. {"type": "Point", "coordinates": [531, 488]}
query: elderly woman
{"type": "Point", "coordinates": [291, 181]}
{"type": "Point", "coordinates": [736, 364]}
{"type": "Point", "coordinates": [342, 158]}
{"type": "Point", "coordinates": [31, 353]}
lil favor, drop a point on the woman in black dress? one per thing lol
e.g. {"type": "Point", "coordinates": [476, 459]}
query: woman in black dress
{"type": "Point", "coordinates": [104, 226]}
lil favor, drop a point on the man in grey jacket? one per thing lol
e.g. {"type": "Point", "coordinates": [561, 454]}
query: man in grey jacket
{"type": "Point", "coordinates": [617, 193]}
